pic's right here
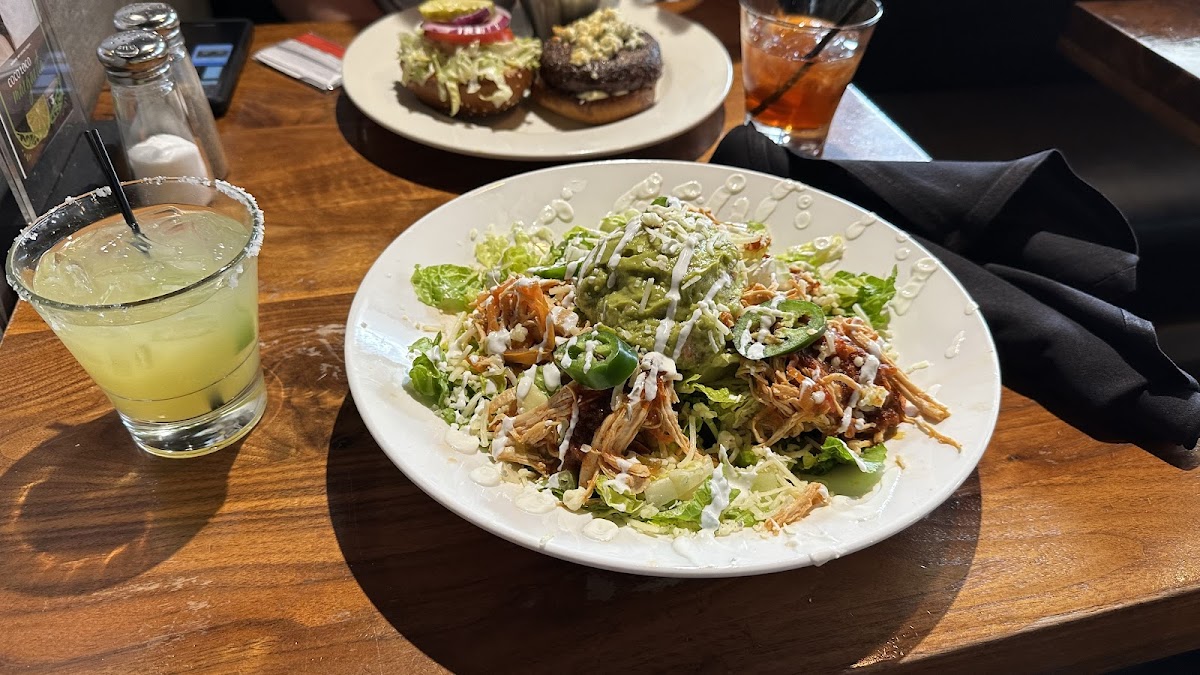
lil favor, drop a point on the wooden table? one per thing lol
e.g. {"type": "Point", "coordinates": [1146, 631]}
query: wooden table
{"type": "Point", "coordinates": [1146, 50]}
{"type": "Point", "coordinates": [306, 550]}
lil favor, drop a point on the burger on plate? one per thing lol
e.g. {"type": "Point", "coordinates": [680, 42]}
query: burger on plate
{"type": "Point", "coordinates": [463, 58]}
{"type": "Point", "coordinates": [598, 69]}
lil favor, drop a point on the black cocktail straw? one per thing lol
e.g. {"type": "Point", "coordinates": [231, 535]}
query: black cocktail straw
{"type": "Point", "coordinates": [808, 60]}
{"type": "Point", "coordinates": [110, 173]}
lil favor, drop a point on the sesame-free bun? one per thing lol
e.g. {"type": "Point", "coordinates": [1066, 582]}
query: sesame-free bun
{"type": "Point", "coordinates": [600, 111]}
{"type": "Point", "coordinates": [475, 104]}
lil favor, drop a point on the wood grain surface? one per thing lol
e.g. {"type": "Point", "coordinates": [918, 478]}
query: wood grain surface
{"type": "Point", "coordinates": [1146, 50]}
{"type": "Point", "coordinates": [305, 550]}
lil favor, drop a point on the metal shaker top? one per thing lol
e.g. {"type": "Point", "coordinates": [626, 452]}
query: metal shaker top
{"type": "Point", "coordinates": [133, 56]}
{"type": "Point", "coordinates": [156, 16]}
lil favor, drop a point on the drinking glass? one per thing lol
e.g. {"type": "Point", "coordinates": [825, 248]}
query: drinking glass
{"type": "Point", "coordinates": [170, 334]}
{"type": "Point", "coordinates": [796, 64]}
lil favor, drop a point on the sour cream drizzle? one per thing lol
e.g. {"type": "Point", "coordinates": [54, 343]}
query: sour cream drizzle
{"type": "Point", "coordinates": [677, 274]}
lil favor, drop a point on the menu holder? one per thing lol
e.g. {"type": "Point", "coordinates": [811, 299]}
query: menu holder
{"type": "Point", "coordinates": [43, 154]}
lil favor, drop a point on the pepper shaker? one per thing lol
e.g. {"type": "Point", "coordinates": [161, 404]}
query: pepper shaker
{"type": "Point", "coordinates": [164, 20]}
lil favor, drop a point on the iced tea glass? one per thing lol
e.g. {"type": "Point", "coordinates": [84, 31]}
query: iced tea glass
{"type": "Point", "coordinates": [170, 334]}
{"type": "Point", "coordinates": [792, 94]}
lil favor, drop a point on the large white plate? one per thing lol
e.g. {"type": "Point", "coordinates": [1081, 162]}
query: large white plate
{"type": "Point", "coordinates": [940, 325]}
{"type": "Point", "coordinates": [696, 76]}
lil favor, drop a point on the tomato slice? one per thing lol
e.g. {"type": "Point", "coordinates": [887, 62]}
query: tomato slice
{"type": "Point", "coordinates": [504, 35]}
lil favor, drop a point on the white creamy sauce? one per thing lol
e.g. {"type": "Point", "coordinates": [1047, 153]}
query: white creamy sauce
{"type": "Point", "coordinates": [677, 274]}
{"type": "Point", "coordinates": [778, 193]}
{"type": "Point", "coordinates": [870, 367]}
{"type": "Point", "coordinates": [802, 220]}
{"type": "Point", "coordinates": [566, 439]}
{"type": "Point", "coordinates": [971, 308]}
{"type": "Point", "coordinates": [486, 475]}
{"type": "Point", "coordinates": [921, 271]}
{"type": "Point", "coordinates": [526, 382]}
{"type": "Point", "coordinates": [600, 529]}
{"type": "Point", "coordinates": [858, 227]}
{"type": "Point", "coordinates": [734, 184]}
{"type": "Point", "coordinates": [646, 288]}
{"type": "Point", "coordinates": [644, 191]}
{"type": "Point", "coordinates": [572, 187]}
{"type": "Point", "coordinates": [500, 441]}
{"type": "Point", "coordinates": [710, 517]}
{"type": "Point", "coordinates": [631, 230]}
{"type": "Point", "coordinates": [566, 359]}
{"type": "Point", "coordinates": [740, 210]}
{"type": "Point", "coordinates": [557, 209]}
{"type": "Point", "coordinates": [956, 344]}
{"type": "Point", "coordinates": [531, 500]}
{"type": "Point", "coordinates": [903, 252]}
{"type": "Point", "coordinates": [462, 442]}
{"type": "Point", "coordinates": [551, 376]}
{"type": "Point", "coordinates": [497, 341]}
{"type": "Point", "coordinates": [804, 201]}
{"type": "Point", "coordinates": [689, 191]}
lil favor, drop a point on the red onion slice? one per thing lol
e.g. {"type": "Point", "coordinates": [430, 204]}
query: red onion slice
{"type": "Point", "coordinates": [498, 21]}
{"type": "Point", "coordinates": [477, 17]}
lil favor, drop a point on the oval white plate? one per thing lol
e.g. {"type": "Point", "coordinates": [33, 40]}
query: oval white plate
{"type": "Point", "coordinates": [697, 74]}
{"type": "Point", "coordinates": [941, 326]}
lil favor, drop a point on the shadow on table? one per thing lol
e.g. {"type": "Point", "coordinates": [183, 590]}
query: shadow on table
{"type": "Point", "coordinates": [471, 600]}
{"type": "Point", "coordinates": [456, 173]}
{"type": "Point", "coordinates": [87, 509]}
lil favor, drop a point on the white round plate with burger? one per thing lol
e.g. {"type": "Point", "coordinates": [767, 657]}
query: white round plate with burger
{"type": "Point", "coordinates": [695, 76]}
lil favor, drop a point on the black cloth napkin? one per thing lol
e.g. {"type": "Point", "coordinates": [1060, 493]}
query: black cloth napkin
{"type": "Point", "coordinates": [1052, 264]}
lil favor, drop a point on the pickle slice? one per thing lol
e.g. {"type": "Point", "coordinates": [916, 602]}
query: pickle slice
{"type": "Point", "coordinates": [443, 11]}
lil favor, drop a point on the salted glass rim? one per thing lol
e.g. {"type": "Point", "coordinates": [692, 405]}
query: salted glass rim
{"type": "Point", "coordinates": [857, 25]}
{"type": "Point", "coordinates": [249, 250]}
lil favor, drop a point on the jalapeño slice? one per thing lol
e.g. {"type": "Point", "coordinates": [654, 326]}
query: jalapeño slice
{"type": "Point", "coordinates": [791, 324]}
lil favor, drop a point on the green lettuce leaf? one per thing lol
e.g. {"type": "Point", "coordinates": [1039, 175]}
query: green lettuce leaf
{"type": "Point", "coordinates": [853, 478]}
{"type": "Point", "coordinates": [686, 513]}
{"type": "Point", "coordinates": [574, 243]}
{"type": "Point", "coordinates": [512, 253]}
{"type": "Point", "coordinates": [869, 292]}
{"type": "Point", "coordinates": [621, 502]}
{"type": "Point", "coordinates": [815, 253]}
{"type": "Point", "coordinates": [450, 288]}
{"type": "Point", "coordinates": [427, 379]}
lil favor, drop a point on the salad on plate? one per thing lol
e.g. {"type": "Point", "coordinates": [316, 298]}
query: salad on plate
{"type": "Point", "coordinates": [668, 371]}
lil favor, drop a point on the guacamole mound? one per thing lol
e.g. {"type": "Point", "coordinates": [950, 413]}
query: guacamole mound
{"type": "Point", "coordinates": [653, 247]}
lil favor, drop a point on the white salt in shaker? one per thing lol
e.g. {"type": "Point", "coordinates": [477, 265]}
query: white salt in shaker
{"type": "Point", "coordinates": [164, 20]}
{"type": "Point", "coordinates": [149, 109]}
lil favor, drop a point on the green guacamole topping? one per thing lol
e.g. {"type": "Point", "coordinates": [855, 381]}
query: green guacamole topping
{"type": "Point", "coordinates": [662, 276]}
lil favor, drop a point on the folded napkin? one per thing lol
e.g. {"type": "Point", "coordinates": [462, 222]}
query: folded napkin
{"type": "Point", "coordinates": [1052, 264]}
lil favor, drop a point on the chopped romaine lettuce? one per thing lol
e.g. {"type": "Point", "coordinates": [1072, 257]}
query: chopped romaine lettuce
{"type": "Point", "coordinates": [513, 253]}
{"type": "Point", "coordinates": [869, 292]}
{"type": "Point", "coordinates": [856, 477]}
{"type": "Point", "coordinates": [815, 253]}
{"type": "Point", "coordinates": [450, 288]}
{"type": "Point", "coordinates": [427, 378]}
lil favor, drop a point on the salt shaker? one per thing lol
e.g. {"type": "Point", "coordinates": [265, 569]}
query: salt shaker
{"type": "Point", "coordinates": [164, 20]}
{"type": "Point", "coordinates": [149, 108]}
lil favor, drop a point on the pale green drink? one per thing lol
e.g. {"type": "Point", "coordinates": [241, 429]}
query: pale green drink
{"type": "Point", "coordinates": [170, 335]}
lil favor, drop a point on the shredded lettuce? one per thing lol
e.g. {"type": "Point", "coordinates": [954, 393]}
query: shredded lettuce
{"type": "Point", "coordinates": [574, 245]}
{"type": "Point", "coordinates": [421, 59]}
{"type": "Point", "coordinates": [512, 253]}
{"type": "Point", "coordinates": [450, 288]}
{"type": "Point", "coordinates": [870, 293]}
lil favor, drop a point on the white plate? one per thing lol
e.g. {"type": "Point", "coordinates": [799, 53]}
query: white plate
{"type": "Point", "coordinates": [941, 326]}
{"type": "Point", "coordinates": [696, 76]}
